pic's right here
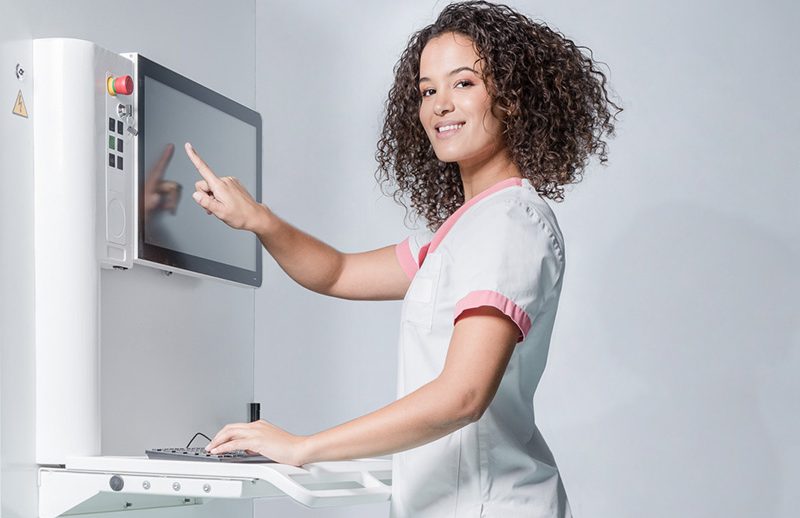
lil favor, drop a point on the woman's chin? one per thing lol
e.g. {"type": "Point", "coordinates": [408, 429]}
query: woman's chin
{"type": "Point", "coordinates": [443, 156]}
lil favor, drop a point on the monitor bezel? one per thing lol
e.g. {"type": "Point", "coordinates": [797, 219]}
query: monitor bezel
{"type": "Point", "coordinates": [173, 260]}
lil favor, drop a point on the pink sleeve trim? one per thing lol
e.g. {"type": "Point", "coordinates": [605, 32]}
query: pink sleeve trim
{"type": "Point", "coordinates": [405, 258]}
{"type": "Point", "coordinates": [423, 253]}
{"type": "Point", "coordinates": [496, 300]}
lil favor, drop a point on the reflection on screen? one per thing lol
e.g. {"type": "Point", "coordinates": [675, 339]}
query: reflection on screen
{"type": "Point", "coordinates": [172, 219]}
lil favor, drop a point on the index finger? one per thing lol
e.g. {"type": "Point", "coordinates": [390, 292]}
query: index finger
{"type": "Point", "coordinates": [202, 168]}
{"type": "Point", "coordinates": [223, 435]}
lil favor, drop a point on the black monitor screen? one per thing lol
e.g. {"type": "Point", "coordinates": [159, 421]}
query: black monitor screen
{"type": "Point", "coordinates": [173, 229]}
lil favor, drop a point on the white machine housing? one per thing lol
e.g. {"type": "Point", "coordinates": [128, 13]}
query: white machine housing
{"type": "Point", "coordinates": [83, 219]}
{"type": "Point", "coordinates": [84, 206]}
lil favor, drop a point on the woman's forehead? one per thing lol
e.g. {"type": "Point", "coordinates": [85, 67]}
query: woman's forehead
{"type": "Point", "coordinates": [446, 52]}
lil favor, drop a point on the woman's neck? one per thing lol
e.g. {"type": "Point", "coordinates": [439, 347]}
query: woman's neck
{"type": "Point", "coordinates": [479, 175]}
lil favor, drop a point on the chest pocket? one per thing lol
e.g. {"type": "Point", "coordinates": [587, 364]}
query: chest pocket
{"type": "Point", "coordinates": [420, 298]}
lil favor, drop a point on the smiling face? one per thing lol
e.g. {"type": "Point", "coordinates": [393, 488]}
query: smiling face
{"type": "Point", "coordinates": [456, 109]}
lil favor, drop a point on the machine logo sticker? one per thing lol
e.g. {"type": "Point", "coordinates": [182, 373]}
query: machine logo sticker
{"type": "Point", "coordinates": [19, 106]}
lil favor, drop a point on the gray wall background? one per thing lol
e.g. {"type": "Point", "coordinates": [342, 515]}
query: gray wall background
{"type": "Point", "coordinates": [672, 383]}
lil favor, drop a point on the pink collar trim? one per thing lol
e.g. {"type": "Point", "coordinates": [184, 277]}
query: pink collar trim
{"type": "Point", "coordinates": [449, 222]}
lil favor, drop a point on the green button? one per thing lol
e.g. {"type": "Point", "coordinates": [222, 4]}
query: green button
{"type": "Point", "coordinates": [112, 142]}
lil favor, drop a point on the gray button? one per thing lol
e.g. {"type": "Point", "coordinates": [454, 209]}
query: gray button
{"type": "Point", "coordinates": [116, 483]}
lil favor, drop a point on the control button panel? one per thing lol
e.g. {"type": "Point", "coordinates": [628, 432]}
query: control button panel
{"type": "Point", "coordinates": [118, 148]}
{"type": "Point", "coordinates": [116, 144]}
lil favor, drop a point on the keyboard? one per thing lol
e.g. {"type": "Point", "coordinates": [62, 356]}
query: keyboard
{"type": "Point", "coordinates": [202, 455]}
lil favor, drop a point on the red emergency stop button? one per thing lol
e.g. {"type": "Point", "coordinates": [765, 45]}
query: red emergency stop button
{"type": "Point", "coordinates": [122, 85]}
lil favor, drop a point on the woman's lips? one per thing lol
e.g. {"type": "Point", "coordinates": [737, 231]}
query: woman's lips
{"type": "Point", "coordinates": [448, 130]}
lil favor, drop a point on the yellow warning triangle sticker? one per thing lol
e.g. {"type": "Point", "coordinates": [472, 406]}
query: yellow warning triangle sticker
{"type": "Point", "coordinates": [19, 106]}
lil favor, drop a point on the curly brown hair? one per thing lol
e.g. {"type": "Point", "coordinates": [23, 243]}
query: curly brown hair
{"type": "Point", "coordinates": [557, 110]}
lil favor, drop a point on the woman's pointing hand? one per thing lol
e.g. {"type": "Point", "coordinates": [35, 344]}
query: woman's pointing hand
{"type": "Point", "coordinates": [224, 197]}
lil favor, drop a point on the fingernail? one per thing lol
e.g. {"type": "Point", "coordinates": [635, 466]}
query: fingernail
{"type": "Point", "coordinates": [189, 146]}
{"type": "Point", "coordinates": [196, 196]}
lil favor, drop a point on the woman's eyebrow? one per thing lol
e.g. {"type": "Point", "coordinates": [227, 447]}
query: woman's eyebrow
{"type": "Point", "coordinates": [452, 73]}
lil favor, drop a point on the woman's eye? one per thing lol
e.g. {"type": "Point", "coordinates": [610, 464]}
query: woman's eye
{"type": "Point", "coordinates": [464, 83]}
{"type": "Point", "coordinates": [428, 92]}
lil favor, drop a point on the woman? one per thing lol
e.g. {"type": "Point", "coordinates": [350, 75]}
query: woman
{"type": "Point", "coordinates": [489, 112]}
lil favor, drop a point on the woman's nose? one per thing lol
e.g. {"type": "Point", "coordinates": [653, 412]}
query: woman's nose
{"type": "Point", "coordinates": [443, 106]}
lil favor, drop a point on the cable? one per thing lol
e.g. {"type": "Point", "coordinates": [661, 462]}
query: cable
{"type": "Point", "coordinates": [195, 437]}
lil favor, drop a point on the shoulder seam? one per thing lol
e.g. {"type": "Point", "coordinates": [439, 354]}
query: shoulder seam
{"type": "Point", "coordinates": [534, 214]}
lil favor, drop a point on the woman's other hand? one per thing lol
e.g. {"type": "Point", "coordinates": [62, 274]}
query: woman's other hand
{"type": "Point", "coordinates": [259, 437]}
{"type": "Point", "coordinates": [224, 197]}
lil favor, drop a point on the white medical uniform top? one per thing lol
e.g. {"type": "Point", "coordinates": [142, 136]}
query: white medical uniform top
{"type": "Point", "coordinates": [503, 248]}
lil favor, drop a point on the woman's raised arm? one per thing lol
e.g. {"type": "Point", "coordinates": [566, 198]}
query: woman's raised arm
{"type": "Point", "coordinates": [373, 275]}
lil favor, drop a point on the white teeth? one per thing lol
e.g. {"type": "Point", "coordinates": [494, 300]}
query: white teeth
{"type": "Point", "coordinates": [449, 127]}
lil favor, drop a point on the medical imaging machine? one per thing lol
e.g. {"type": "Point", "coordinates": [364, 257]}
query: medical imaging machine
{"type": "Point", "coordinates": [108, 131]}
